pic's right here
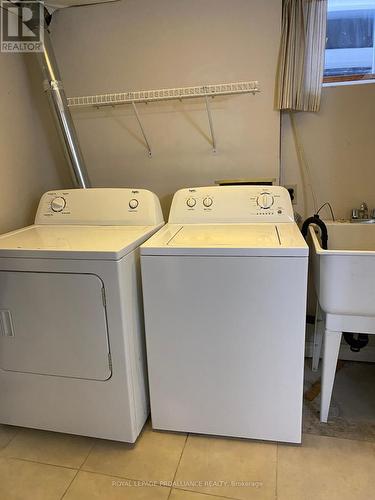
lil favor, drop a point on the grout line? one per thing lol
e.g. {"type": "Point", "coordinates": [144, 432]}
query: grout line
{"type": "Point", "coordinates": [88, 454]}
{"type": "Point", "coordinates": [178, 465]}
{"type": "Point", "coordinates": [207, 494]}
{"type": "Point", "coordinates": [118, 477]}
{"type": "Point", "coordinates": [69, 485]}
{"type": "Point", "coordinates": [11, 439]}
{"type": "Point", "coordinates": [40, 463]}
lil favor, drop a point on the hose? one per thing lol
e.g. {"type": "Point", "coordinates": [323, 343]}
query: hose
{"type": "Point", "coordinates": [316, 220]}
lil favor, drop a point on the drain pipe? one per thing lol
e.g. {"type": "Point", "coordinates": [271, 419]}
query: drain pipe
{"type": "Point", "coordinates": [55, 90]}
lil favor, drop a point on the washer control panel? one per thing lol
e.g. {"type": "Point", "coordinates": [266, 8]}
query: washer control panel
{"type": "Point", "coordinates": [102, 206]}
{"type": "Point", "coordinates": [218, 204]}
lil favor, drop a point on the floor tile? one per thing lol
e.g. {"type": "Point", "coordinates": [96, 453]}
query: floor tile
{"type": "Point", "coordinates": [326, 468]}
{"type": "Point", "coordinates": [49, 448]}
{"type": "Point", "coordinates": [7, 432]}
{"type": "Point", "coordinates": [21, 480]}
{"type": "Point", "coordinates": [225, 461]}
{"type": "Point", "coordinates": [189, 495]}
{"type": "Point", "coordinates": [154, 457]}
{"type": "Point", "coordinates": [90, 486]}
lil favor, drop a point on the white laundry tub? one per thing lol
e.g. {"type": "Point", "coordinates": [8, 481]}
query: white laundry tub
{"type": "Point", "coordinates": [344, 275]}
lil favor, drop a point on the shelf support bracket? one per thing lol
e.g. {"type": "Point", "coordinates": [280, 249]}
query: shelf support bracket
{"type": "Point", "coordinates": [211, 124]}
{"type": "Point", "coordinates": [142, 129]}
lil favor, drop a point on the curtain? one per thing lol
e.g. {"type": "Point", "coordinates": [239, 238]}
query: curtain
{"type": "Point", "coordinates": [301, 58]}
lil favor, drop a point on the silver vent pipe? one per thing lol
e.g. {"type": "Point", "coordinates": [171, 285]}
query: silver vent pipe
{"type": "Point", "coordinates": [59, 104]}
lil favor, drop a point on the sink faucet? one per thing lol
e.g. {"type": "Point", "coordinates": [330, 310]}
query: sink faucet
{"type": "Point", "coordinates": [361, 214]}
{"type": "Point", "coordinates": [363, 211]}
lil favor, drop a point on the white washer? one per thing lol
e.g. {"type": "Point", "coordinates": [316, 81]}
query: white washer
{"type": "Point", "coordinates": [224, 286]}
{"type": "Point", "coordinates": [71, 317]}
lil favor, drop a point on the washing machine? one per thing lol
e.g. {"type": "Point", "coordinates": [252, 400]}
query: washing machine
{"type": "Point", "coordinates": [72, 354]}
{"type": "Point", "coordinates": [224, 286]}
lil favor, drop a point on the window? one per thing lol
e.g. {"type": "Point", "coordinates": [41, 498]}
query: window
{"type": "Point", "coordinates": [350, 49]}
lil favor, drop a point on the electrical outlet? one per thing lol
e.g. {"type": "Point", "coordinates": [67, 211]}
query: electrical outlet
{"type": "Point", "coordinates": [292, 188]}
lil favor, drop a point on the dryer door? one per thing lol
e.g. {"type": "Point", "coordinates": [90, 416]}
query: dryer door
{"type": "Point", "coordinates": [53, 324]}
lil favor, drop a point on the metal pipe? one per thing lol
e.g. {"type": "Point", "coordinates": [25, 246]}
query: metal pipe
{"type": "Point", "coordinates": [211, 124]}
{"type": "Point", "coordinates": [142, 129]}
{"type": "Point", "coordinates": [59, 104]}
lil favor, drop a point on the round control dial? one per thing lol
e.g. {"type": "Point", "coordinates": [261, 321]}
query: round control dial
{"type": "Point", "coordinates": [191, 202]}
{"type": "Point", "coordinates": [133, 203]}
{"type": "Point", "coordinates": [265, 200]}
{"type": "Point", "coordinates": [58, 204]}
{"type": "Point", "coordinates": [207, 202]}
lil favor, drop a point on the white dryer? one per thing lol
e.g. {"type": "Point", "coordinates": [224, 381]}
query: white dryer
{"type": "Point", "coordinates": [224, 286]}
{"type": "Point", "coordinates": [71, 318]}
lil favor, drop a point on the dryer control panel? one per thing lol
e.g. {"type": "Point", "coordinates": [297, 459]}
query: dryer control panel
{"type": "Point", "coordinates": [229, 204]}
{"type": "Point", "coordinates": [102, 206]}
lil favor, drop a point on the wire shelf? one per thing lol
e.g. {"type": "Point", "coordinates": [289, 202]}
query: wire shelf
{"type": "Point", "coordinates": [164, 94]}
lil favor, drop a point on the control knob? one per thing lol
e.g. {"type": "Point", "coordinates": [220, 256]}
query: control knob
{"type": "Point", "coordinates": [191, 202]}
{"type": "Point", "coordinates": [58, 204]}
{"type": "Point", "coordinates": [207, 202]}
{"type": "Point", "coordinates": [265, 200]}
{"type": "Point", "coordinates": [133, 203]}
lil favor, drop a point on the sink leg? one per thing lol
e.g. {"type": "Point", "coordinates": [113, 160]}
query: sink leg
{"type": "Point", "coordinates": [332, 342]}
{"type": "Point", "coordinates": [318, 337]}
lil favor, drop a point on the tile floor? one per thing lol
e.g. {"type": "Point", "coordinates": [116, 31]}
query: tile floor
{"type": "Point", "coordinates": [38, 465]}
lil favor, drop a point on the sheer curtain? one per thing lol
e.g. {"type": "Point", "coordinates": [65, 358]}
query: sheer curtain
{"type": "Point", "coordinates": [301, 58]}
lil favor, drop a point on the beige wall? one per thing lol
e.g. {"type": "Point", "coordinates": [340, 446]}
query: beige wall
{"type": "Point", "coordinates": [31, 158]}
{"type": "Point", "coordinates": [146, 44]}
{"type": "Point", "coordinates": [167, 43]}
{"type": "Point", "coordinates": [339, 146]}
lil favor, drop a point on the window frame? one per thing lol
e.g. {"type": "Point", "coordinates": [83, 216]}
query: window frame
{"type": "Point", "coordinates": [350, 78]}
{"type": "Point", "coordinates": [368, 77]}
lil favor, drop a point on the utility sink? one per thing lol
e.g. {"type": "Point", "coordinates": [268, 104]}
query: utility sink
{"type": "Point", "coordinates": [344, 274]}
{"type": "Point", "coordinates": [344, 277]}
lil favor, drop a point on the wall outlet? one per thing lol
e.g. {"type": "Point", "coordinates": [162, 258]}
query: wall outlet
{"type": "Point", "coordinates": [292, 188]}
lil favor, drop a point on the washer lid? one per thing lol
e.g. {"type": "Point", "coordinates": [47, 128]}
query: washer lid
{"type": "Point", "coordinates": [225, 235]}
{"type": "Point", "coordinates": [227, 239]}
{"type": "Point", "coordinates": [74, 242]}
